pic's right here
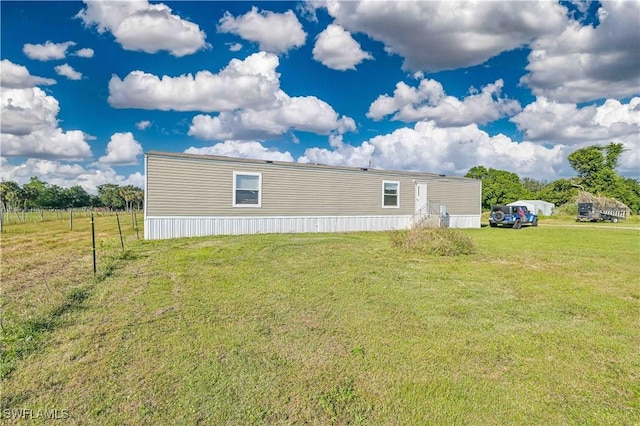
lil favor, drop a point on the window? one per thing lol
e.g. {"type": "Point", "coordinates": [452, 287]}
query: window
{"type": "Point", "coordinates": [390, 194]}
{"type": "Point", "coordinates": [247, 189]}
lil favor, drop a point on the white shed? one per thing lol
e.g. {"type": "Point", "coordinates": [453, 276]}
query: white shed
{"type": "Point", "coordinates": [537, 206]}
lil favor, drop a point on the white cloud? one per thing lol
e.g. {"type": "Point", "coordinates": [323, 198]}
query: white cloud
{"type": "Point", "coordinates": [629, 164]}
{"type": "Point", "coordinates": [94, 177]}
{"type": "Point", "coordinates": [122, 149]}
{"type": "Point", "coordinates": [29, 127]}
{"type": "Point", "coordinates": [15, 76]}
{"type": "Point", "coordinates": [54, 171]}
{"type": "Point", "coordinates": [308, 114]}
{"type": "Point", "coordinates": [336, 49]}
{"type": "Point", "coordinates": [252, 82]}
{"type": "Point", "coordinates": [447, 150]}
{"type": "Point", "coordinates": [235, 47]}
{"type": "Point", "coordinates": [47, 51]}
{"type": "Point", "coordinates": [586, 63]}
{"type": "Point", "coordinates": [47, 143]}
{"type": "Point", "coordinates": [614, 111]}
{"type": "Point", "coordinates": [27, 110]}
{"type": "Point", "coordinates": [247, 93]}
{"type": "Point", "coordinates": [84, 53]}
{"type": "Point", "coordinates": [341, 155]}
{"type": "Point", "coordinates": [143, 125]}
{"type": "Point", "coordinates": [66, 70]}
{"type": "Point", "coordinates": [274, 32]}
{"type": "Point", "coordinates": [242, 149]}
{"type": "Point", "coordinates": [547, 121]}
{"type": "Point", "coordinates": [107, 15]}
{"type": "Point", "coordinates": [434, 36]}
{"type": "Point", "coordinates": [66, 175]}
{"type": "Point", "coordinates": [140, 26]}
{"type": "Point", "coordinates": [429, 101]}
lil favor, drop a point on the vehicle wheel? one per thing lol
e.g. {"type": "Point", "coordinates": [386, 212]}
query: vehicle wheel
{"type": "Point", "coordinates": [498, 216]}
{"type": "Point", "coordinates": [535, 222]}
{"type": "Point", "coordinates": [614, 219]}
{"type": "Point", "coordinates": [517, 224]}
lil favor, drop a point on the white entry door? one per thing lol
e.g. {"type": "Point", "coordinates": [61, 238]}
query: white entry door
{"type": "Point", "coordinates": [421, 195]}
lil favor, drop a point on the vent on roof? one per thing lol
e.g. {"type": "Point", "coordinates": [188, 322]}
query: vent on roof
{"type": "Point", "coordinates": [269, 162]}
{"type": "Point", "coordinates": [364, 169]}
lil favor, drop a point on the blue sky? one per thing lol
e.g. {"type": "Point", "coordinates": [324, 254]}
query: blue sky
{"type": "Point", "coordinates": [87, 87]}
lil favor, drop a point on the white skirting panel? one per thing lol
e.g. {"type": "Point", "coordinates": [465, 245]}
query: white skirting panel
{"type": "Point", "coordinates": [464, 221]}
{"type": "Point", "coordinates": [158, 228]}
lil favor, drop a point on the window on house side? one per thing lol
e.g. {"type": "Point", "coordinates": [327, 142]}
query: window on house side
{"type": "Point", "coordinates": [390, 194]}
{"type": "Point", "coordinates": [247, 189]}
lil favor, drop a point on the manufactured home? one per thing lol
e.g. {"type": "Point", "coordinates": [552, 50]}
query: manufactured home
{"type": "Point", "coordinates": [195, 195]}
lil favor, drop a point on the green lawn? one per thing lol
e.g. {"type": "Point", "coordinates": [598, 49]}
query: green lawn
{"type": "Point", "coordinates": [539, 326]}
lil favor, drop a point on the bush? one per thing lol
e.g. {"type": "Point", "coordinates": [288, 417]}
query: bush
{"type": "Point", "coordinates": [434, 241]}
{"type": "Point", "coordinates": [569, 209]}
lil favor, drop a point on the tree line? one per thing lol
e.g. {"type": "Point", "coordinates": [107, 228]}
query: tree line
{"type": "Point", "coordinates": [42, 195]}
{"type": "Point", "coordinates": [595, 168]}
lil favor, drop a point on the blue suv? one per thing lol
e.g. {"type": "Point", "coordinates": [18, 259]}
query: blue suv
{"type": "Point", "coordinates": [513, 216]}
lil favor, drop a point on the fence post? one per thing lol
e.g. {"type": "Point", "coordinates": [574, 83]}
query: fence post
{"type": "Point", "coordinates": [135, 218]}
{"type": "Point", "coordinates": [71, 219]}
{"type": "Point", "coordinates": [93, 244]}
{"type": "Point", "coordinates": [120, 231]}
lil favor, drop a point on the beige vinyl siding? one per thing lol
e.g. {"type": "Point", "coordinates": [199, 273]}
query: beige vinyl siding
{"type": "Point", "coordinates": [184, 187]}
{"type": "Point", "coordinates": [194, 186]}
{"type": "Point", "coordinates": [460, 196]}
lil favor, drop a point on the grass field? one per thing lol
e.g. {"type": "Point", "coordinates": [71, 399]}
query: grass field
{"type": "Point", "coordinates": [539, 326]}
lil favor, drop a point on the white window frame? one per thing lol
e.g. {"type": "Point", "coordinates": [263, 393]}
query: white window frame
{"type": "Point", "coordinates": [397, 206]}
{"type": "Point", "coordinates": [233, 195]}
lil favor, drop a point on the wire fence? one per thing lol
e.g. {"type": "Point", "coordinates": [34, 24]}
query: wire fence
{"type": "Point", "coordinates": [51, 261]}
{"type": "Point", "coordinates": [13, 216]}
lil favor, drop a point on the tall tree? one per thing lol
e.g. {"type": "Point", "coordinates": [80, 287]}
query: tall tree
{"type": "Point", "coordinates": [109, 195]}
{"type": "Point", "coordinates": [498, 186]}
{"type": "Point", "coordinates": [52, 197]}
{"type": "Point", "coordinates": [11, 194]}
{"type": "Point", "coordinates": [559, 192]}
{"type": "Point", "coordinates": [130, 194]}
{"type": "Point", "coordinates": [630, 194]}
{"type": "Point", "coordinates": [76, 196]}
{"type": "Point", "coordinates": [138, 197]}
{"type": "Point", "coordinates": [596, 168]}
{"type": "Point", "coordinates": [533, 186]}
{"type": "Point", "coordinates": [33, 191]}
